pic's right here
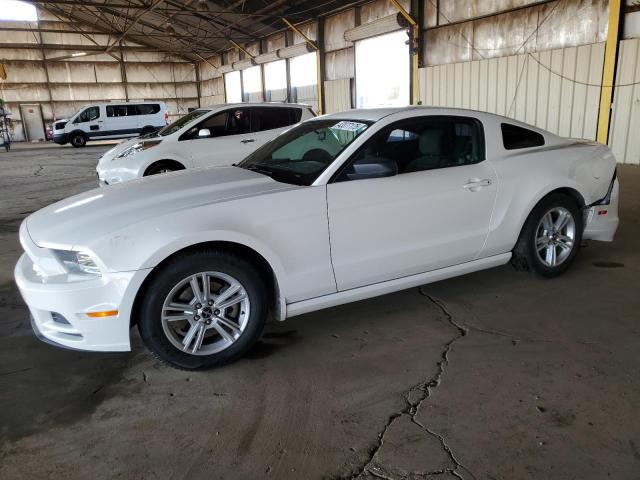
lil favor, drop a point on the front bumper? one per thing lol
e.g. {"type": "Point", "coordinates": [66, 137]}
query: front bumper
{"type": "Point", "coordinates": [59, 307]}
{"type": "Point", "coordinates": [61, 138]}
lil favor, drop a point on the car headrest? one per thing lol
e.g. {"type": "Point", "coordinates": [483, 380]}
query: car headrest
{"type": "Point", "coordinates": [430, 141]}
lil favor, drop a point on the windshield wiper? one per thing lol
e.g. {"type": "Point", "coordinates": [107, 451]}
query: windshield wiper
{"type": "Point", "coordinates": [253, 168]}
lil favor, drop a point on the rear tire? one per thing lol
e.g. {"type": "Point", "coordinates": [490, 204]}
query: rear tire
{"type": "Point", "coordinates": [78, 140]}
{"type": "Point", "coordinates": [206, 329]}
{"type": "Point", "coordinates": [163, 167]}
{"type": "Point", "coordinates": [551, 236]}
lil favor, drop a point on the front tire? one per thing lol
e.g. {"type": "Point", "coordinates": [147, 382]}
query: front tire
{"type": "Point", "coordinates": [203, 309]}
{"type": "Point", "coordinates": [163, 167]}
{"type": "Point", "coordinates": [551, 236]}
{"type": "Point", "coordinates": [78, 140]}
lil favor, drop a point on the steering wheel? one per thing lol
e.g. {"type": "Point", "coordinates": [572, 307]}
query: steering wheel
{"type": "Point", "coordinates": [317, 155]}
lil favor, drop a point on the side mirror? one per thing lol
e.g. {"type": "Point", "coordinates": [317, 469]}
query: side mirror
{"type": "Point", "coordinates": [204, 132]}
{"type": "Point", "coordinates": [372, 167]}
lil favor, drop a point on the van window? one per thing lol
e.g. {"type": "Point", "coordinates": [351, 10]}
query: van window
{"type": "Point", "coordinates": [116, 111]}
{"type": "Point", "coordinates": [88, 115]}
{"type": "Point", "coordinates": [148, 109]}
{"type": "Point", "coordinates": [269, 118]}
{"type": "Point", "coordinates": [514, 137]}
{"type": "Point", "coordinates": [132, 110]}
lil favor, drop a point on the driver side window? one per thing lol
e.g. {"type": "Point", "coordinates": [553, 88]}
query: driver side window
{"type": "Point", "coordinates": [215, 124]}
{"type": "Point", "coordinates": [417, 144]}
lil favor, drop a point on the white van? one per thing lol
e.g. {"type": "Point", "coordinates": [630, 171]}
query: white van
{"type": "Point", "coordinates": [104, 121]}
{"type": "Point", "coordinates": [213, 136]}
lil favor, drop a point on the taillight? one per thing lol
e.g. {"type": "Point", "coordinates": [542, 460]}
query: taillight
{"type": "Point", "coordinates": [166, 118]}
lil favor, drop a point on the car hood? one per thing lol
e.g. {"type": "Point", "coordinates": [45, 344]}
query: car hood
{"type": "Point", "coordinates": [117, 150]}
{"type": "Point", "coordinates": [81, 219]}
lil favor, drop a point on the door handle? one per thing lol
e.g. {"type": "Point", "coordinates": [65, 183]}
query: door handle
{"type": "Point", "coordinates": [475, 184]}
{"type": "Point", "coordinates": [248, 140]}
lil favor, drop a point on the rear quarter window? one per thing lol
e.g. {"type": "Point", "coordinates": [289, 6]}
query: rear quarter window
{"type": "Point", "coordinates": [514, 137]}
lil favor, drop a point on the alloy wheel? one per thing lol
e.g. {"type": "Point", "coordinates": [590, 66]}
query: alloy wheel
{"type": "Point", "coordinates": [555, 236]}
{"type": "Point", "coordinates": [205, 313]}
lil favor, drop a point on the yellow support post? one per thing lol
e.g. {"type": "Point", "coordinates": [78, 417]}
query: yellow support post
{"type": "Point", "coordinates": [415, 36]}
{"type": "Point", "coordinates": [608, 74]}
{"type": "Point", "coordinates": [244, 50]}
{"type": "Point", "coordinates": [224, 89]}
{"type": "Point", "coordinates": [313, 45]}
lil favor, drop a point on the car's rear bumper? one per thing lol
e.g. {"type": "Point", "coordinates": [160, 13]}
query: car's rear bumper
{"type": "Point", "coordinates": [602, 220]}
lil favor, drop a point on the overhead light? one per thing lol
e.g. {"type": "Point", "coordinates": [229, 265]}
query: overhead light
{"type": "Point", "coordinates": [78, 54]}
{"type": "Point", "coordinates": [202, 6]}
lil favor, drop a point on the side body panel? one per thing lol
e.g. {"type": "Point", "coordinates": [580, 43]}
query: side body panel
{"type": "Point", "coordinates": [288, 228]}
{"type": "Point", "coordinates": [526, 176]}
{"type": "Point", "coordinates": [389, 228]}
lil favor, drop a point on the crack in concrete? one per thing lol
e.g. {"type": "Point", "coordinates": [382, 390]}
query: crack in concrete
{"type": "Point", "coordinates": [421, 391]}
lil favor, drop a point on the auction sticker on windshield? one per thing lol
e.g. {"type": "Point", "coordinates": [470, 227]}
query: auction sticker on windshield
{"type": "Point", "coordinates": [349, 126]}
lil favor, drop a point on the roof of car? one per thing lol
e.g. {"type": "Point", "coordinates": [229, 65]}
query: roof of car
{"type": "Point", "coordinates": [253, 104]}
{"type": "Point", "coordinates": [375, 114]}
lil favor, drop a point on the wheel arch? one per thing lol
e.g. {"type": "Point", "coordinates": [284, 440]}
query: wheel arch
{"type": "Point", "coordinates": [77, 131]}
{"type": "Point", "coordinates": [264, 267]}
{"type": "Point", "coordinates": [568, 191]}
{"type": "Point", "coordinates": [167, 161]}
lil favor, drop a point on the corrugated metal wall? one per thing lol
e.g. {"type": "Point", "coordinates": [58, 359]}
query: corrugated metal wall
{"type": "Point", "coordinates": [74, 82]}
{"type": "Point", "coordinates": [624, 139]}
{"type": "Point", "coordinates": [550, 89]}
{"type": "Point", "coordinates": [338, 95]}
{"type": "Point", "coordinates": [307, 94]}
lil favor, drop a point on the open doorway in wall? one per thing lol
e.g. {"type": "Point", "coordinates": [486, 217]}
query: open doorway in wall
{"type": "Point", "coordinates": [233, 87]}
{"type": "Point", "coordinates": [275, 81]}
{"type": "Point", "coordinates": [252, 84]}
{"type": "Point", "coordinates": [304, 79]}
{"type": "Point", "coordinates": [382, 71]}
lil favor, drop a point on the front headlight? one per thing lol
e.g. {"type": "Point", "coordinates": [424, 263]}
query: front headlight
{"type": "Point", "coordinates": [77, 262]}
{"type": "Point", "coordinates": [138, 147]}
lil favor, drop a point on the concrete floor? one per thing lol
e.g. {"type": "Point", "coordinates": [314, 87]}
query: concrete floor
{"type": "Point", "coordinates": [495, 375]}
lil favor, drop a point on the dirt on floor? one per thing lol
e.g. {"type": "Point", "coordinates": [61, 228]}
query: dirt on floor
{"type": "Point", "coordinates": [494, 375]}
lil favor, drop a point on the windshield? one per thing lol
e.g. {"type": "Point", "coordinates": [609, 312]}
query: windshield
{"type": "Point", "coordinates": [301, 154]}
{"type": "Point", "coordinates": [181, 122]}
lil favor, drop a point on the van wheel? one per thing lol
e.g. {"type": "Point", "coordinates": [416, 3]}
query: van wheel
{"type": "Point", "coordinates": [164, 166]}
{"type": "Point", "coordinates": [147, 131]}
{"type": "Point", "coordinates": [78, 140]}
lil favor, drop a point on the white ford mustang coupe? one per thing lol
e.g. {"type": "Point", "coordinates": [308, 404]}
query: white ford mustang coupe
{"type": "Point", "coordinates": [338, 208]}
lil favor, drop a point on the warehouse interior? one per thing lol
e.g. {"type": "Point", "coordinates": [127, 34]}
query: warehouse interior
{"type": "Point", "coordinates": [494, 375]}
